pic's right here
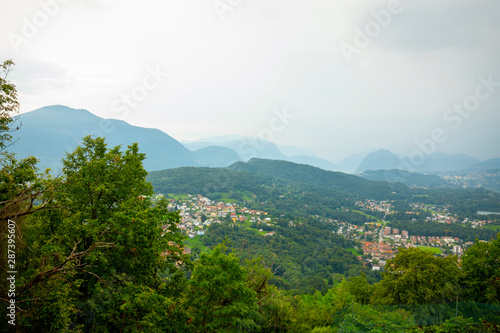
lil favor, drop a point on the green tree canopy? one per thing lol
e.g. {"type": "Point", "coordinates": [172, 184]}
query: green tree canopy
{"type": "Point", "coordinates": [481, 268]}
{"type": "Point", "coordinates": [416, 276]}
{"type": "Point", "coordinates": [104, 251]}
{"type": "Point", "coordinates": [9, 106]}
{"type": "Point", "coordinates": [221, 299]}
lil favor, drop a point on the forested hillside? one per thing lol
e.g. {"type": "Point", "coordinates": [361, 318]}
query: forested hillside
{"type": "Point", "coordinates": [304, 258]}
{"type": "Point", "coordinates": [328, 180]}
{"type": "Point", "coordinates": [406, 177]}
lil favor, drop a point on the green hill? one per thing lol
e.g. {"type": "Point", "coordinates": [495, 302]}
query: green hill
{"type": "Point", "coordinates": [279, 187]}
{"type": "Point", "coordinates": [312, 177]}
{"type": "Point", "coordinates": [405, 177]}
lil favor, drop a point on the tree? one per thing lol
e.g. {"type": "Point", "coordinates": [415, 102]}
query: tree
{"type": "Point", "coordinates": [219, 297]}
{"type": "Point", "coordinates": [481, 268]}
{"type": "Point", "coordinates": [416, 276]}
{"type": "Point", "coordinates": [368, 319]}
{"type": "Point", "coordinates": [9, 106]}
{"type": "Point", "coordinates": [20, 184]}
{"type": "Point", "coordinates": [104, 252]}
{"type": "Point", "coordinates": [320, 311]}
{"type": "Point", "coordinates": [23, 191]}
{"type": "Point", "coordinates": [276, 311]}
{"type": "Point", "coordinates": [360, 288]}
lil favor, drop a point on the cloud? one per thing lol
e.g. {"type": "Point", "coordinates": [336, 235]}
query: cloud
{"type": "Point", "coordinates": [228, 75]}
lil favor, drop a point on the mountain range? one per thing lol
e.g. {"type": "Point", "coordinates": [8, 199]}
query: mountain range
{"type": "Point", "coordinates": [433, 163]}
{"type": "Point", "coordinates": [49, 132]}
{"type": "Point", "coordinates": [248, 148]}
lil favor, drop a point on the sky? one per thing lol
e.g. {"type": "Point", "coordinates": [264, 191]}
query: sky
{"type": "Point", "coordinates": [337, 77]}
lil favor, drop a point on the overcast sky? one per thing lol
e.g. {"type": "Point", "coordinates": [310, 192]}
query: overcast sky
{"type": "Point", "coordinates": [335, 76]}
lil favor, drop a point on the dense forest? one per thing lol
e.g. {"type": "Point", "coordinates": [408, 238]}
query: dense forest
{"type": "Point", "coordinates": [463, 202]}
{"type": "Point", "coordinates": [406, 177]}
{"type": "Point", "coordinates": [304, 257]}
{"type": "Point", "coordinates": [465, 232]}
{"type": "Point", "coordinates": [90, 250]}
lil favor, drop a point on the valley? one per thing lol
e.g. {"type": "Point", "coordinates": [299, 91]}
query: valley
{"type": "Point", "coordinates": [275, 208]}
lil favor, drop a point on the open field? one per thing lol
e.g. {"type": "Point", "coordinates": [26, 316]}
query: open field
{"type": "Point", "coordinates": [433, 249]}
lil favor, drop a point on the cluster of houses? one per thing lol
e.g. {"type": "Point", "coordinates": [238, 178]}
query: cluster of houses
{"type": "Point", "coordinates": [373, 205]}
{"type": "Point", "coordinates": [198, 212]}
{"type": "Point", "coordinates": [349, 229]}
{"type": "Point", "coordinates": [472, 179]}
{"type": "Point", "coordinates": [443, 216]}
{"type": "Point", "coordinates": [378, 254]}
{"type": "Point", "coordinates": [381, 243]}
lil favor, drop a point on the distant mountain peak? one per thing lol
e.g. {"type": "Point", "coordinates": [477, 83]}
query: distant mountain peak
{"type": "Point", "coordinates": [50, 131]}
{"type": "Point", "coordinates": [59, 108]}
{"type": "Point", "coordinates": [381, 159]}
{"type": "Point", "coordinates": [250, 147]}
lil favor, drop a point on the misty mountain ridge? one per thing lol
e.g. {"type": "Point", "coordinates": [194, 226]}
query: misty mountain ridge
{"type": "Point", "coordinates": [406, 177]}
{"type": "Point", "coordinates": [381, 159]}
{"type": "Point", "coordinates": [216, 156]}
{"type": "Point", "coordinates": [491, 164]}
{"type": "Point", "coordinates": [51, 131]}
{"type": "Point", "coordinates": [248, 148]}
{"type": "Point", "coordinates": [217, 140]}
{"type": "Point", "coordinates": [350, 163]}
{"type": "Point", "coordinates": [437, 162]}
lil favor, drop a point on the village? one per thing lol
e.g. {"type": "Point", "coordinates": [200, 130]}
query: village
{"type": "Point", "coordinates": [381, 242]}
{"type": "Point", "coordinates": [198, 212]}
{"type": "Point", "coordinates": [378, 242]}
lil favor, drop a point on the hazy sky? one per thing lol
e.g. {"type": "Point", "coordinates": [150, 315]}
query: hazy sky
{"type": "Point", "coordinates": [337, 77]}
